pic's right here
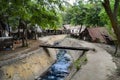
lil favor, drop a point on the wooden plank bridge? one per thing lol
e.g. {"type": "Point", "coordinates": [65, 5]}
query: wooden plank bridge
{"type": "Point", "coordinates": [67, 47]}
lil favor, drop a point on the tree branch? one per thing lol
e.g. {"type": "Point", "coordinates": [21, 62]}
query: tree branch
{"type": "Point", "coordinates": [106, 5]}
{"type": "Point", "coordinates": [116, 7]}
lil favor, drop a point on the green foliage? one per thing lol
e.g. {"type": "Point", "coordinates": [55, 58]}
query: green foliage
{"type": "Point", "coordinates": [79, 62]}
{"type": "Point", "coordinates": [84, 14]}
{"type": "Point", "coordinates": [104, 17]}
{"type": "Point", "coordinates": [90, 13]}
{"type": "Point", "coordinates": [42, 12]}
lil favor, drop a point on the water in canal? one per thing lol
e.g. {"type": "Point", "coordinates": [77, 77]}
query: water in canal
{"type": "Point", "coordinates": [60, 69]}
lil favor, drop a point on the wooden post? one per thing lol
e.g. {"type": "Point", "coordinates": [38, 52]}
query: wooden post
{"type": "Point", "coordinates": [66, 47]}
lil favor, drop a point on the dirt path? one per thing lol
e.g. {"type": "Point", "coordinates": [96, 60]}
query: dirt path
{"type": "Point", "coordinates": [52, 39]}
{"type": "Point", "coordinates": [9, 56]}
{"type": "Point", "coordinates": [99, 65]}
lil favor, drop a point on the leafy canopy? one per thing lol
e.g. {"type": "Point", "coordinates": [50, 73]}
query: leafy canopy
{"type": "Point", "coordinates": [42, 12]}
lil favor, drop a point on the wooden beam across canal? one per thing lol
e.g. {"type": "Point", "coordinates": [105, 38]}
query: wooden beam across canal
{"type": "Point", "coordinates": [67, 47]}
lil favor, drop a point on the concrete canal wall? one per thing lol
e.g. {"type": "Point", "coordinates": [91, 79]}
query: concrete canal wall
{"type": "Point", "coordinates": [36, 63]}
{"type": "Point", "coordinates": [28, 68]}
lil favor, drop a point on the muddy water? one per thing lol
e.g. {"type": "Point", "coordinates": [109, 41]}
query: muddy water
{"type": "Point", "coordinates": [60, 69]}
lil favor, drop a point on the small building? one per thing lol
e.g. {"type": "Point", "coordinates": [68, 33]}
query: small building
{"type": "Point", "coordinates": [4, 30]}
{"type": "Point", "coordinates": [97, 34]}
{"type": "Point", "coordinates": [36, 31]}
{"type": "Point", "coordinates": [5, 41]}
{"type": "Point", "coordinates": [75, 30]}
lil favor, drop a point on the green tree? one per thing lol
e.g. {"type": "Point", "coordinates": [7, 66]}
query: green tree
{"type": "Point", "coordinates": [112, 13]}
{"type": "Point", "coordinates": [83, 13]}
{"type": "Point", "coordinates": [41, 12]}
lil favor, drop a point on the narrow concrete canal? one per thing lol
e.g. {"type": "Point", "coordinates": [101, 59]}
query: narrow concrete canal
{"type": "Point", "coordinates": [60, 69]}
{"type": "Point", "coordinates": [98, 66]}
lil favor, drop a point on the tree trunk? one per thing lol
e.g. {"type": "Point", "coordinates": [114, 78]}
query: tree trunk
{"type": "Point", "coordinates": [116, 49]}
{"type": "Point", "coordinates": [19, 30]}
{"type": "Point", "coordinates": [23, 26]}
{"type": "Point", "coordinates": [113, 16]}
{"type": "Point", "coordinates": [26, 42]}
{"type": "Point", "coordinates": [80, 32]}
{"type": "Point", "coordinates": [23, 38]}
{"type": "Point", "coordinates": [35, 35]}
{"type": "Point", "coordinates": [8, 26]}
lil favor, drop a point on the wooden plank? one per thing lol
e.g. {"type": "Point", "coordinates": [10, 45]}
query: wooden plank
{"type": "Point", "coordinates": [66, 47]}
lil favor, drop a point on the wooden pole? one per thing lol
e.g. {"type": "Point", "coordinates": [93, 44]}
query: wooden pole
{"type": "Point", "coordinates": [66, 47]}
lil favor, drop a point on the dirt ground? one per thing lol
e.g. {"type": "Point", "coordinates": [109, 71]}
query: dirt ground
{"type": "Point", "coordinates": [32, 45]}
{"type": "Point", "coordinates": [8, 54]}
{"type": "Point", "coordinates": [99, 64]}
{"type": "Point", "coordinates": [116, 59]}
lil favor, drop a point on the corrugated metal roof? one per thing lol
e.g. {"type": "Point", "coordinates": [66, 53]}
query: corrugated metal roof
{"type": "Point", "coordinates": [99, 33]}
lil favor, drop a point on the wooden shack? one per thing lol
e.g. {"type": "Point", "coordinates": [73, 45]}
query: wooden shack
{"type": "Point", "coordinates": [5, 40]}
{"type": "Point", "coordinates": [97, 34]}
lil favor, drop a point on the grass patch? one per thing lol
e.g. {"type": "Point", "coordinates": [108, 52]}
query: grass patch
{"type": "Point", "coordinates": [79, 62]}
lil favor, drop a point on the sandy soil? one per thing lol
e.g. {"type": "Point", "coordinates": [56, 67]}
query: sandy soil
{"type": "Point", "coordinates": [116, 59]}
{"type": "Point", "coordinates": [33, 45]}
{"type": "Point", "coordinates": [100, 64]}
